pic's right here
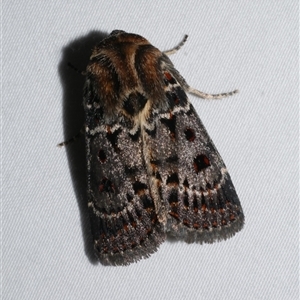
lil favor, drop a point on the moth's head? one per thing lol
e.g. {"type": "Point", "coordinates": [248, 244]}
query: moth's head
{"type": "Point", "coordinates": [118, 41]}
{"type": "Point", "coordinates": [116, 32]}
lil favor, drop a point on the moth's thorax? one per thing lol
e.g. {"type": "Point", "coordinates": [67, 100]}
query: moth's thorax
{"type": "Point", "coordinates": [125, 73]}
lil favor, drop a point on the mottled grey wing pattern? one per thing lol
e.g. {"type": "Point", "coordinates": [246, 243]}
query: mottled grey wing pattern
{"type": "Point", "coordinates": [125, 227]}
{"type": "Point", "coordinates": [200, 202]}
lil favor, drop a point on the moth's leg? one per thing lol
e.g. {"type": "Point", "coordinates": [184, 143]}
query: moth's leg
{"type": "Point", "coordinates": [210, 96]}
{"type": "Point", "coordinates": [195, 91]}
{"type": "Point", "coordinates": [176, 48]}
{"type": "Point", "coordinates": [72, 139]}
{"type": "Point", "coordinates": [82, 130]}
{"type": "Point", "coordinates": [76, 69]}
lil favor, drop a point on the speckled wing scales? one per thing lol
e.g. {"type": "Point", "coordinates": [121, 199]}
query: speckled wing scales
{"type": "Point", "coordinates": [200, 201]}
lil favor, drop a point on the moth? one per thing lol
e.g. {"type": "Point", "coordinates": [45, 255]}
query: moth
{"type": "Point", "coordinates": [152, 168]}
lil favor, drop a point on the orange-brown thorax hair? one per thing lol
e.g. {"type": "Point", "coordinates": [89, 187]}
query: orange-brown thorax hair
{"type": "Point", "coordinates": [124, 64]}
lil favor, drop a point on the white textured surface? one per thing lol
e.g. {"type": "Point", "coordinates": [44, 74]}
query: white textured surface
{"type": "Point", "coordinates": [252, 46]}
